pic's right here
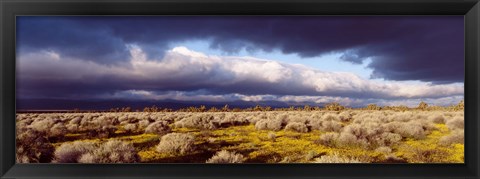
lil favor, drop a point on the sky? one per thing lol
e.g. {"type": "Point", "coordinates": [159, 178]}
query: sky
{"type": "Point", "coordinates": [293, 60]}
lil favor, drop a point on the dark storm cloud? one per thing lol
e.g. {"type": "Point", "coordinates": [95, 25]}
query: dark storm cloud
{"type": "Point", "coordinates": [45, 74]}
{"type": "Point", "coordinates": [72, 38]}
{"type": "Point", "coordinates": [401, 48]}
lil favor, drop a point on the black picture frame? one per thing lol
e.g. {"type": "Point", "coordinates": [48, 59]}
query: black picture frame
{"type": "Point", "coordinates": [11, 8]}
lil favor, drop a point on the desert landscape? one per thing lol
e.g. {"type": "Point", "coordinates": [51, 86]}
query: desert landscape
{"type": "Point", "coordinates": [333, 134]}
{"type": "Point", "coordinates": [240, 89]}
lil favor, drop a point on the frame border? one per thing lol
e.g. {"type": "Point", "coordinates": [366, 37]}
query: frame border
{"type": "Point", "coordinates": [11, 8]}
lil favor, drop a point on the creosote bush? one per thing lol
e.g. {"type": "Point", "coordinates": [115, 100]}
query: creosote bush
{"type": "Point", "coordinates": [226, 157]}
{"type": "Point", "coordinates": [176, 143]}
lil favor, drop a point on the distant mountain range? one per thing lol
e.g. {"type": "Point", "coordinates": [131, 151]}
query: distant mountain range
{"type": "Point", "coordinates": [64, 104]}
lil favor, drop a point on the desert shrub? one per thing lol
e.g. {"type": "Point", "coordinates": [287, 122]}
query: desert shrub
{"type": "Point", "coordinates": [220, 116]}
{"type": "Point", "coordinates": [176, 143]}
{"type": "Point", "coordinates": [334, 107]}
{"type": "Point", "coordinates": [159, 127]}
{"type": "Point", "coordinates": [33, 147]}
{"type": "Point", "coordinates": [255, 117]}
{"type": "Point", "coordinates": [297, 127]}
{"type": "Point", "coordinates": [438, 119]}
{"type": "Point", "coordinates": [362, 131]}
{"type": "Point", "coordinates": [135, 120]}
{"type": "Point", "coordinates": [422, 106]}
{"type": "Point", "coordinates": [226, 157]}
{"type": "Point", "coordinates": [328, 139]}
{"type": "Point", "coordinates": [281, 117]}
{"type": "Point", "coordinates": [71, 152]}
{"type": "Point", "coordinates": [86, 121]}
{"type": "Point", "coordinates": [392, 126]}
{"type": "Point", "coordinates": [297, 118]}
{"type": "Point", "coordinates": [426, 125]}
{"type": "Point", "coordinates": [76, 120]}
{"type": "Point", "coordinates": [327, 126]}
{"type": "Point", "coordinates": [387, 139]}
{"type": "Point", "coordinates": [373, 107]}
{"type": "Point", "coordinates": [378, 117]}
{"type": "Point", "coordinates": [350, 140]}
{"type": "Point", "coordinates": [456, 137]}
{"type": "Point", "coordinates": [113, 151]}
{"type": "Point", "coordinates": [106, 131]}
{"type": "Point", "coordinates": [331, 126]}
{"type": "Point", "coordinates": [42, 125]}
{"type": "Point", "coordinates": [402, 117]}
{"type": "Point", "coordinates": [367, 135]}
{"type": "Point", "coordinates": [123, 123]}
{"type": "Point", "coordinates": [330, 117]}
{"type": "Point", "coordinates": [420, 155]}
{"type": "Point", "coordinates": [345, 116]}
{"type": "Point", "coordinates": [199, 121]}
{"type": "Point", "coordinates": [130, 128]}
{"type": "Point", "coordinates": [58, 130]}
{"type": "Point", "coordinates": [21, 126]}
{"type": "Point", "coordinates": [336, 158]}
{"type": "Point", "coordinates": [123, 118]}
{"type": "Point", "coordinates": [407, 129]}
{"type": "Point", "coordinates": [384, 150]}
{"type": "Point", "coordinates": [106, 121]}
{"type": "Point", "coordinates": [270, 124]}
{"type": "Point", "coordinates": [232, 120]}
{"type": "Point", "coordinates": [73, 128]}
{"type": "Point", "coordinates": [455, 123]}
{"type": "Point", "coordinates": [143, 123]}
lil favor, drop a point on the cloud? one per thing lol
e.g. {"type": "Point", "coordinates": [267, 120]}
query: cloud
{"type": "Point", "coordinates": [424, 48]}
{"type": "Point", "coordinates": [286, 99]}
{"type": "Point", "coordinates": [183, 74]}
